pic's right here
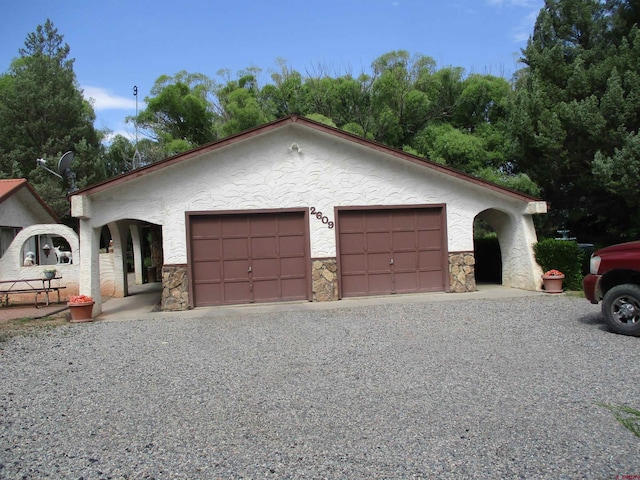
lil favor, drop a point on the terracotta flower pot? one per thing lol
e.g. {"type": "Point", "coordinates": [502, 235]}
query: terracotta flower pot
{"type": "Point", "coordinates": [81, 312]}
{"type": "Point", "coordinates": [552, 283]}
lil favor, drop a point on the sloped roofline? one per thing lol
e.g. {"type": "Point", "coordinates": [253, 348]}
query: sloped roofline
{"type": "Point", "coordinates": [18, 183]}
{"type": "Point", "coordinates": [294, 119]}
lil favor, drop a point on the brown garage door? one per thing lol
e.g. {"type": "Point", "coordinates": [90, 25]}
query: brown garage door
{"type": "Point", "coordinates": [245, 258]}
{"type": "Point", "coordinates": [387, 251]}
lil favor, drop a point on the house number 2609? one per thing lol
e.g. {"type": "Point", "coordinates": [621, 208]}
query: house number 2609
{"type": "Point", "coordinates": [323, 218]}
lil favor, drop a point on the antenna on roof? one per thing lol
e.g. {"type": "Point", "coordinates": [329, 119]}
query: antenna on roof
{"type": "Point", "coordinates": [136, 155]}
{"type": "Point", "coordinates": [64, 169]}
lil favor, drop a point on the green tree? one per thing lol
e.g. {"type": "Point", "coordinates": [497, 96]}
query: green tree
{"type": "Point", "coordinates": [575, 115]}
{"type": "Point", "coordinates": [43, 114]}
{"type": "Point", "coordinates": [179, 113]}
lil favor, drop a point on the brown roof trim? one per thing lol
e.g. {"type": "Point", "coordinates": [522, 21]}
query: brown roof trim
{"type": "Point", "coordinates": [20, 183]}
{"type": "Point", "coordinates": [310, 124]}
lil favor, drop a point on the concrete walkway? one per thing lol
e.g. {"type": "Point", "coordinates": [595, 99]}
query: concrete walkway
{"type": "Point", "coordinates": [144, 299]}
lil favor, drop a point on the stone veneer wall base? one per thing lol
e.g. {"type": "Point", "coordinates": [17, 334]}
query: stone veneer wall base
{"type": "Point", "coordinates": [324, 273]}
{"type": "Point", "coordinates": [462, 272]}
{"type": "Point", "coordinates": [175, 288]}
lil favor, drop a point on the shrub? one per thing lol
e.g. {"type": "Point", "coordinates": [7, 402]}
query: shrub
{"type": "Point", "coordinates": [563, 255]}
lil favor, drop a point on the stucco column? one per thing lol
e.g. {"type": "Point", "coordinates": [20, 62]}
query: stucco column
{"type": "Point", "coordinates": [89, 278]}
{"type": "Point", "coordinates": [119, 233]}
{"type": "Point", "coordinates": [137, 252]}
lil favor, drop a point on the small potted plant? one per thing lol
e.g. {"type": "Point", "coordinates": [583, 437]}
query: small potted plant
{"type": "Point", "coordinates": [81, 307]}
{"type": "Point", "coordinates": [49, 273]}
{"type": "Point", "coordinates": [552, 280]}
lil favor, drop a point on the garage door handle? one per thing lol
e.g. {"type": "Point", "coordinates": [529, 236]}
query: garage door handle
{"type": "Point", "coordinates": [249, 269]}
{"type": "Point", "coordinates": [391, 262]}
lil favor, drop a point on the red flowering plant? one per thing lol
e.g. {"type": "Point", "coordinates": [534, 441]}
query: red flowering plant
{"type": "Point", "coordinates": [80, 299]}
{"type": "Point", "coordinates": [553, 273]}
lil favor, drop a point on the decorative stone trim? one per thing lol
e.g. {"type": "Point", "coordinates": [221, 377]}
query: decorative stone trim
{"type": "Point", "coordinates": [175, 288]}
{"type": "Point", "coordinates": [325, 279]}
{"type": "Point", "coordinates": [462, 272]}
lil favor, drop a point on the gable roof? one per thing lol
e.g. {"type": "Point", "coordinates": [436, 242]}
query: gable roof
{"type": "Point", "coordinates": [294, 119]}
{"type": "Point", "coordinates": [10, 187]}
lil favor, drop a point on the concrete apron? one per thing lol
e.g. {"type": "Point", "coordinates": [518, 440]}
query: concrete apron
{"type": "Point", "coordinates": [144, 299]}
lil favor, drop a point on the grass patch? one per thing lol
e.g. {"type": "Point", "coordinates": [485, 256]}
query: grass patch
{"type": "Point", "coordinates": [30, 326]}
{"type": "Point", "coordinates": [574, 293]}
{"type": "Point", "coordinates": [627, 416]}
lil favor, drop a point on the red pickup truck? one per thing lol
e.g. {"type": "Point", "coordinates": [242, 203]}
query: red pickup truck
{"type": "Point", "coordinates": [614, 279]}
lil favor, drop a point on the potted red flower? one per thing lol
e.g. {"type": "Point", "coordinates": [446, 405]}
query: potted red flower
{"type": "Point", "coordinates": [81, 307]}
{"type": "Point", "coordinates": [552, 280]}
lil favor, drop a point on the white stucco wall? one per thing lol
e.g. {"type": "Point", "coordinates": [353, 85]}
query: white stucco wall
{"type": "Point", "coordinates": [265, 173]}
{"type": "Point", "coordinates": [21, 210]}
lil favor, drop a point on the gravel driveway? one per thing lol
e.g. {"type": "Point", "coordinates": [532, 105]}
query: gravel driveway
{"type": "Point", "coordinates": [503, 388]}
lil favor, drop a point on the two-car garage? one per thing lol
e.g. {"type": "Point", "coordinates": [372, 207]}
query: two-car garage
{"type": "Point", "coordinates": [249, 229]}
{"type": "Point", "coordinates": [263, 256]}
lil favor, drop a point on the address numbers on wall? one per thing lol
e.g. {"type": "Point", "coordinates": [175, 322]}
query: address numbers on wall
{"type": "Point", "coordinates": [323, 218]}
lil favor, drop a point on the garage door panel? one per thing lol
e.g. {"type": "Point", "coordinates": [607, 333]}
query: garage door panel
{"type": "Point", "coordinates": [378, 262]}
{"type": "Point", "coordinates": [235, 226]}
{"type": "Point", "coordinates": [412, 237]}
{"type": "Point", "coordinates": [379, 283]}
{"type": "Point", "coordinates": [378, 241]}
{"type": "Point", "coordinates": [430, 239]}
{"type": "Point", "coordinates": [235, 248]}
{"type": "Point", "coordinates": [249, 256]}
{"type": "Point", "coordinates": [352, 263]}
{"type": "Point", "coordinates": [291, 225]}
{"type": "Point", "coordinates": [265, 268]}
{"type": "Point", "coordinates": [203, 228]}
{"type": "Point", "coordinates": [377, 221]}
{"type": "Point", "coordinates": [235, 269]}
{"type": "Point", "coordinates": [404, 240]}
{"type": "Point", "coordinates": [431, 281]}
{"type": "Point", "coordinates": [405, 261]}
{"type": "Point", "coordinates": [237, 292]}
{"type": "Point", "coordinates": [291, 245]}
{"type": "Point", "coordinates": [266, 290]}
{"type": "Point", "coordinates": [263, 226]}
{"type": "Point", "coordinates": [403, 220]}
{"type": "Point", "coordinates": [205, 249]}
{"type": "Point", "coordinates": [264, 247]}
{"type": "Point", "coordinates": [293, 289]}
{"type": "Point", "coordinates": [429, 219]}
{"type": "Point", "coordinates": [207, 271]}
{"type": "Point", "coordinates": [405, 282]}
{"type": "Point", "coordinates": [293, 266]}
{"type": "Point", "coordinates": [211, 292]}
{"type": "Point", "coordinates": [430, 260]}
{"type": "Point", "coordinates": [354, 284]}
{"type": "Point", "coordinates": [351, 242]}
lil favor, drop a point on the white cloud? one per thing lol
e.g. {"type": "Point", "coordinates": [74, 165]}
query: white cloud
{"type": "Point", "coordinates": [103, 100]}
{"type": "Point", "coordinates": [523, 31]}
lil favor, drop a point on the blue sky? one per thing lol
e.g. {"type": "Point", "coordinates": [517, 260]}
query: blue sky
{"type": "Point", "coordinates": [121, 43]}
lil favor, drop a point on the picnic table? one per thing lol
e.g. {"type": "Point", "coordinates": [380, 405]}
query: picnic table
{"type": "Point", "coordinates": [30, 285]}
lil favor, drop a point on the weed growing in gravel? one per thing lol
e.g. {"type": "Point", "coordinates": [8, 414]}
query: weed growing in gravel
{"type": "Point", "coordinates": [627, 416]}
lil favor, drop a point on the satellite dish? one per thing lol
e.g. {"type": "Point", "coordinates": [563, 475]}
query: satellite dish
{"type": "Point", "coordinates": [64, 169]}
{"type": "Point", "coordinates": [65, 163]}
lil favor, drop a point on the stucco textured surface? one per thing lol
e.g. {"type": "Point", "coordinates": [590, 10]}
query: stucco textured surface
{"type": "Point", "coordinates": [266, 174]}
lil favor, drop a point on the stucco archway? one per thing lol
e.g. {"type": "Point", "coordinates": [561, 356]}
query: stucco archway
{"type": "Point", "coordinates": [516, 236]}
{"type": "Point", "coordinates": [135, 247]}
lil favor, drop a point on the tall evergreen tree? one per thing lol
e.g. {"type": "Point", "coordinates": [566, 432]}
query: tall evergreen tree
{"type": "Point", "coordinates": [576, 106]}
{"type": "Point", "coordinates": [43, 114]}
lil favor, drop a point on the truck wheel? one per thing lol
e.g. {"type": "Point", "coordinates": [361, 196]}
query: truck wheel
{"type": "Point", "coordinates": [621, 309]}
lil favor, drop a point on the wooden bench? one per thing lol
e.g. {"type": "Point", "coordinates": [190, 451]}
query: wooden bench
{"type": "Point", "coordinates": [35, 286]}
